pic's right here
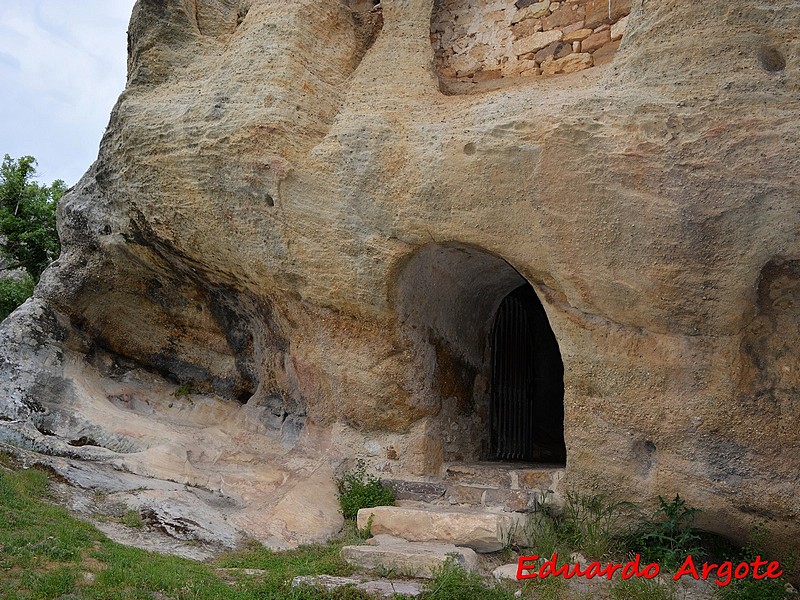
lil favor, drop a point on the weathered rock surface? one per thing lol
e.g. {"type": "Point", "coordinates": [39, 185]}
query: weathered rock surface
{"type": "Point", "coordinates": [481, 530]}
{"type": "Point", "coordinates": [381, 588]}
{"type": "Point", "coordinates": [291, 247]}
{"type": "Point", "coordinates": [407, 558]}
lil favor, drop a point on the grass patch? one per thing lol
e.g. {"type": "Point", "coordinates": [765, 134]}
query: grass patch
{"type": "Point", "coordinates": [451, 582]}
{"type": "Point", "coordinates": [359, 490]}
{"type": "Point", "coordinates": [642, 589]}
{"type": "Point", "coordinates": [46, 553]}
{"type": "Point", "coordinates": [132, 518]}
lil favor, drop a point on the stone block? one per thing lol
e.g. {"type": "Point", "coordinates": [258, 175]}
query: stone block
{"type": "Point", "coordinates": [392, 589]}
{"type": "Point", "coordinates": [533, 11]}
{"type": "Point", "coordinates": [594, 41]}
{"type": "Point", "coordinates": [510, 500]}
{"type": "Point", "coordinates": [536, 479]}
{"type": "Point", "coordinates": [487, 75]}
{"type": "Point", "coordinates": [526, 28]}
{"type": "Point", "coordinates": [605, 54]}
{"type": "Point", "coordinates": [554, 51]}
{"type": "Point", "coordinates": [486, 475]}
{"type": "Point", "coordinates": [520, 67]}
{"type": "Point", "coordinates": [467, 494]}
{"type": "Point", "coordinates": [618, 28]}
{"type": "Point", "coordinates": [566, 15]}
{"type": "Point", "coordinates": [409, 559]}
{"type": "Point", "coordinates": [597, 11]}
{"type": "Point", "coordinates": [568, 64]}
{"type": "Point", "coordinates": [423, 491]}
{"type": "Point", "coordinates": [535, 42]}
{"type": "Point", "coordinates": [479, 529]}
{"type": "Point", "coordinates": [577, 35]}
{"type": "Point", "coordinates": [326, 582]}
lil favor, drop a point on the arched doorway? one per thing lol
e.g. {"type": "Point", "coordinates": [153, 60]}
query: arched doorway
{"type": "Point", "coordinates": [526, 399]}
{"type": "Point", "coordinates": [449, 299]}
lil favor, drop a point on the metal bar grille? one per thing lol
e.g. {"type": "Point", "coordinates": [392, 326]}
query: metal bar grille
{"type": "Point", "coordinates": [511, 405]}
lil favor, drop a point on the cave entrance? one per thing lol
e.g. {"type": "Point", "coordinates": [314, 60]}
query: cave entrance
{"type": "Point", "coordinates": [487, 361]}
{"type": "Point", "coordinates": [526, 399]}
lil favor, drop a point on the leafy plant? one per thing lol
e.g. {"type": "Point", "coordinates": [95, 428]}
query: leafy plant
{"type": "Point", "coordinates": [594, 524]}
{"type": "Point", "coordinates": [13, 293]}
{"type": "Point", "coordinates": [757, 589]}
{"type": "Point", "coordinates": [668, 536]}
{"type": "Point", "coordinates": [359, 490]}
{"type": "Point", "coordinates": [28, 216]}
{"type": "Point", "coordinates": [183, 390]}
{"type": "Point", "coordinates": [28, 236]}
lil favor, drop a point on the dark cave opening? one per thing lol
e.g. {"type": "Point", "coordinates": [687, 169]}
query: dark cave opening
{"type": "Point", "coordinates": [484, 345]}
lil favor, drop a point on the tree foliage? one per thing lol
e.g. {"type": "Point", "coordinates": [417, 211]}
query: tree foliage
{"type": "Point", "coordinates": [28, 217]}
{"type": "Point", "coordinates": [28, 236]}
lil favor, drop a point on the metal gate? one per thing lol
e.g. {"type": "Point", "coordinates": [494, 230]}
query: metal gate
{"type": "Point", "coordinates": [511, 407]}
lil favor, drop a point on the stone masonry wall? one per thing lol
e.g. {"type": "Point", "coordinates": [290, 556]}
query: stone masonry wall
{"type": "Point", "coordinates": [480, 40]}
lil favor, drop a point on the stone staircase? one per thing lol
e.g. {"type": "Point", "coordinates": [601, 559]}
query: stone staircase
{"type": "Point", "coordinates": [472, 508]}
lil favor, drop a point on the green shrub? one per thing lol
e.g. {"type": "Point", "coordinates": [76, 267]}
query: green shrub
{"type": "Point", "coordinates": [13, 293]}
{"type": "Point", "coordinates": [757, 589]}
{"type": "Point", "coordinates": [28, 216]}
{"type": "Point", "coordinates": [359, 490]}
{"type": "Point", "coordinates": [668, 535]}
{"type": "Point", "coordinates": [594, 524]}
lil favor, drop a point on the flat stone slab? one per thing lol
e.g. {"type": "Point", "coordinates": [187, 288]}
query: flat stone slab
{"type": "Point", "coordinates": [408, 559]}
{"type": "Point", "coordinates": [479, 529]}
{"type": "Point", "coordinates": [385, 588]}
{"type": "Point", "coordinates": [326, 582]}
{"type": "Point", "coordinates": [380, 588]}
{"type": "Point", "coordinates": [422, 491]}
{"type": "Point", "coordinates": [513, 476]}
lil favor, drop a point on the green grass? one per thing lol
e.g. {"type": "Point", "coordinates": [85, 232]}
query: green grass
{"type": "Point", "coordinates": [451, 582]}
{"type": "Point", "coordinates": [642, 589]}
{"type": "Point", "coordinates": [46, 553]}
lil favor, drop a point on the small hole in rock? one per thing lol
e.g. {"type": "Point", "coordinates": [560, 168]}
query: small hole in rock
{"type": "Point", "coordinates": [469, 149]}
{"type": "Point", "coordinates": [270, 201]}
{"type": "Point", "coordinates": [83, 441]}
{"type": "Point", "coordinates": [244, 397]}
{"type": "Point", "coordinates": [771, 60]}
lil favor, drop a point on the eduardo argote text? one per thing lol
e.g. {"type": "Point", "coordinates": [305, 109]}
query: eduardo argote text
{"type": "Point", "coordinates": [530, 567]}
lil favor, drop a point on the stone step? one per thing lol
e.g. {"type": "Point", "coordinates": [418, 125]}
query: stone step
{"type": "Point", "coordinates": [419, 491]}
{"type": "Point", "coordinates": [397, 557]}
{"type": "Point", "coordinates": [473, 495]}
{"type": "Point", "coordinates": [382, 588]}
{"type": "Point", "coordinates": [508, 476]}
{"type": "Point", "coordinates": [481, 529]}
{"type": "Point", "coordinates": [507, 500]}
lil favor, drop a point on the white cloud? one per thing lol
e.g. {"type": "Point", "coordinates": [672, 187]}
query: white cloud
{"type": "Point", "coordinates": [62, 67]}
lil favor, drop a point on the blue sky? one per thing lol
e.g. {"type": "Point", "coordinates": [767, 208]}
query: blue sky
{"type": "Point", "coordinates": [62, 67]}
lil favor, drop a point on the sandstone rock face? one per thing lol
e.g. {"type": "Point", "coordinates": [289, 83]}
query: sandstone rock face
{"type": "Point", "coordinates": [291, 248]}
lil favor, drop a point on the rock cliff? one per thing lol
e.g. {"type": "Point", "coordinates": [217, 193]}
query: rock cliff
{"type": "Point", "coordinates": [303, 218]}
